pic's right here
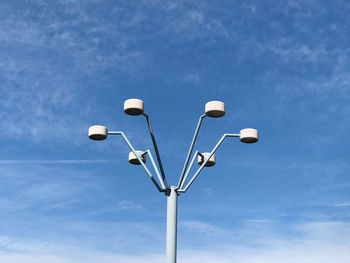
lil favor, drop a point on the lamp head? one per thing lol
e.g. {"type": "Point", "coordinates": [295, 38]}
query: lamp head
{"type": "Point", "coordinates": [215, 109]}
{"type": "Point", "coordinates": [133, 107]}
{"type": "Point", "coordinates": [133, 159]}
{"type": "Point", "coordinates": [98, 133]}
{"type": "Point", "coordinates": [249, 135]}
{"type": "Point", "coordinates": [204, 156]}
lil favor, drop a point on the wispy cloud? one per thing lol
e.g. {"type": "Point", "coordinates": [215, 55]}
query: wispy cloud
{"type": "Point", "coordinates": [315, 242]}
{"type": "Point", "coordinates": [47, 185]}
{"type": "Point", "coordinates": [41, 92]}
{"type": "Point", "coordinates": [345, 204]}
{"type": "Point", "coordinates": [125, 204]}
{"type": "Point", "coordinates": [55, 161]}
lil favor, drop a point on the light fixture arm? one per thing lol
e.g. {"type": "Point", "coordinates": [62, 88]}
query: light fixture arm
{"type": "Point", "coordinates": [190, 150]}
{"type": "Point", "coordinates": [205, 162]}
{"type": "Point", "coordinates": [189, 168]}
{"type": "Point", "coordinates": [156, 150]}
{"type": "Point", "coordinates": [139, 159]}
{"type": "Point", "coordinates": [156, 169]}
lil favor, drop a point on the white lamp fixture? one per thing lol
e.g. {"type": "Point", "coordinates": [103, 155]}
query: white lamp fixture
{"type": "Point", "coordinates": [133, 107]}
{"type": "Point", "coordinates": [98, 133]}
{"type": "Point", "coordinates": [211, 161]}
{"type": "Point", "coordinates": [215, 109]}
{"type": "Point", "coordinates": [248, 135]}
{"type": "Point", "coordinates": [133, 159]}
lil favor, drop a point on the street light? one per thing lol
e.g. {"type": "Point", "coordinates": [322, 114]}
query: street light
{"type": "Point", "coordinates": [214, 109]}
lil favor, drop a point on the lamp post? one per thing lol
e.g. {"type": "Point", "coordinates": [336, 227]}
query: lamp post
{"type": "Point", "coordinates": [213, 109]}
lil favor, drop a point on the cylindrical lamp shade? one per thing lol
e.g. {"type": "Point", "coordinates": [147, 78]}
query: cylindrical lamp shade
{"type": "Point", "coordinates": [133, 159]}
{"type": "Point", "coordinates": [98, 132]}
{"type": "Point", "coordinates": [249, 135]}
{"type": "Point", "coordinates": [215, 109]}
{"type": "Point", "coordinates": [133, 107]}
{"type": "Point", "coordinates": [205, 156]}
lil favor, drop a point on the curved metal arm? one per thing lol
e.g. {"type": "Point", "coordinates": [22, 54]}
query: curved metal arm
{"type": "Point", "coordinates": [139, 159]}
{"type": "Point", "coordinates": [205, 162]}
{"type": "Point", "coordinates": [156, 150]}
{"type": "Point", "coordinates": [190, 150]}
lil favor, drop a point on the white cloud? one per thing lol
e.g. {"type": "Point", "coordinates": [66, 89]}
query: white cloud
{"type": "Point", "coordinates": [55, 161]}
{"type": "Point", "coordinates": [46, 186]}
{"type": "Point", "coordinates": [289, 52]}
{"type": "Point", "coordinates": [345, 204]}
{"type": "Point", "coordinates": [317, 242]}
{"type": "Point", "coordinates": [42, 95]}
{"type": "Point", "coordinates": [126, 204]}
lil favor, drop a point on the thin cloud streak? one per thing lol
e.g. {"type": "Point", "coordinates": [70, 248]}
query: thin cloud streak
{"type": "Point", "coordinates": [341, 204]}
{"type": "Point", "coordinates": [314, 242]}
{"type": "Point", "coordinates": [55, 161]}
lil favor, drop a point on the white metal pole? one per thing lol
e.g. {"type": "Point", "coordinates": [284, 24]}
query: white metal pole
{"type": "Point", "coordinates": [171, 226]}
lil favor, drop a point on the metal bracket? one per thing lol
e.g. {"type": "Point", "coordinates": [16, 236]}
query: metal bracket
{"type": "Point", "coordinates": [139, 159]}
{"type": "Point", "coordinates": [183, 190]}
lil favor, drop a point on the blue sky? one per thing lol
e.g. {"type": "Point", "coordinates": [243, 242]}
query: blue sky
{"type": "Point", "coordinates": [280, 66]}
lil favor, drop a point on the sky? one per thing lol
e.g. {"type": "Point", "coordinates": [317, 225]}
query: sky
{"type": "Point", "coordinates": [282, 67]}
